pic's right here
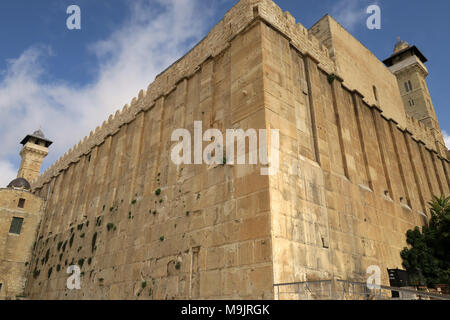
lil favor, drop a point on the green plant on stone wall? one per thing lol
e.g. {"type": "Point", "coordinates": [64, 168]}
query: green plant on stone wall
{"type": "Point", "coordinates": [94, 240]}
{"type": "Point", "coordinates": [331, 78]}
{"type": "Point", "coordinates": [81, 262]}
{"type": "Point", "coordinates": [71, 240]}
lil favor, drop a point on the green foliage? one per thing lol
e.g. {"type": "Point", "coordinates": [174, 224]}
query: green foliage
{"type": "Point", "coordinates": [94, 240]}
{"type": "Point", "coordinates": [428, 258]}
{"type": "Point", "coordinates": [331, 78]}
{"type": "Point", "coordinates": [71, 240]}
{"type": "Point", "coordinates": [47, 256]}
{"type": "Point", "coordinates": [143, 284]}
{"type": "Point", "coordinates": [50, 272]}
{"type": "Point", "coordinates": [161, 238]}
{"type": "Point", "coordinates": [158, 192]}
{"type": "Point", "coordinates": [110, 226]}
{"type": "Point", "coordinates": [81, 262]}
{"type": "Point", "coordinates": [133, 201]}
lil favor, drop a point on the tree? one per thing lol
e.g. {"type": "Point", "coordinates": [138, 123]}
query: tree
{"type": "Point", "coordinates": [428, 258]}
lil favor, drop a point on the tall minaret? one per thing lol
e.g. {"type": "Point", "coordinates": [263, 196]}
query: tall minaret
{"type": "Point", "coordinates": [408, 65]}
{"type": "Point", "coordinates": [35, 149]}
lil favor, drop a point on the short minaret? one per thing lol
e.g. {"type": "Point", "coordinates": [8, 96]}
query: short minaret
{"type": "Point", "coordinates": [408, 64]}
{"type": "Point", "coordinates": [35, 149]}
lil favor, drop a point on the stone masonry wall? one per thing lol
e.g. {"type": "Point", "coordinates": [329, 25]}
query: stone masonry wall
{"type": "Point", "coordinates": [351, 182]}
{"type": "Point", "coordinates": [105, 177]}
{"type": "Point", "coordinates": [144, 228]}
{"type": "Point", "coordinates": [16, 249]}
{"type": "Point", "coordinates": [361, 69]}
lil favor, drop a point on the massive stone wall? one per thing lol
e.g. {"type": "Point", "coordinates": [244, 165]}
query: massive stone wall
{"type": "Point", "coordinates": [351, 181]}
{"type": "Point", "coordinates": [142, 227]}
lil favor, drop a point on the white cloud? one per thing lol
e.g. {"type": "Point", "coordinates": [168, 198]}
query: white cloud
{"type": "Point", "coordinates": [349, 13]}
{"type": "Point", "coordinates": [129, 59]}
{"type": "Point", "coordinates": [446, 139]}
{"type": "Point", "coordinates": [7, 173]}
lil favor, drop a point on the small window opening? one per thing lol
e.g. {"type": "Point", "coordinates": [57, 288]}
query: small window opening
{"type": "Point", "coordinates": [21, 203]}
{"type": "Point", "coordinates": [16, 225]}
{"type": "Point", "coordinates": [408, 86]}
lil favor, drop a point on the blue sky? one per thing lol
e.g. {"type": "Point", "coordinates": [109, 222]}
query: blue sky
{"type": "Point", "coordinates": [69, 81]}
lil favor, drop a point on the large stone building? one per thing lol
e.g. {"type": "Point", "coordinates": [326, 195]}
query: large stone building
{"type": "Point", "coordinates": [357, 170]}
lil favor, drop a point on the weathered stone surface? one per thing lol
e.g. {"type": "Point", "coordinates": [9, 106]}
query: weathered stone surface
{"type": "Point", "coordinates": [351, 180]}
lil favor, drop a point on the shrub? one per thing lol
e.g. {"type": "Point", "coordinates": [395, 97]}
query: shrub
{"type": "Point", "coordinates": [427, 260]}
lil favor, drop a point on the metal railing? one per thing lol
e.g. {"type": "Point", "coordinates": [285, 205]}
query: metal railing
{"type": "Point", "coordinates": [348, 290]}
